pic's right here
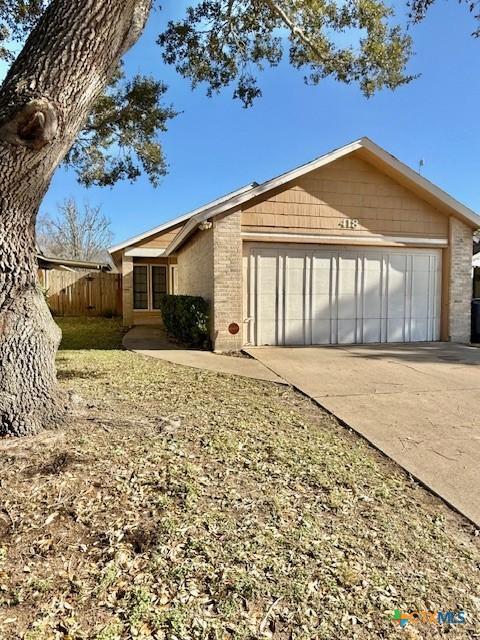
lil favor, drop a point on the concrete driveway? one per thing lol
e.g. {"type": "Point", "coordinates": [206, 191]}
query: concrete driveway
{"type": "Point", "coordinates": [419, 404]}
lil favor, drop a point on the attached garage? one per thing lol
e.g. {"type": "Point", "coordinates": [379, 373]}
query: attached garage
{"type": "Point", "coordinates": [341, 295]}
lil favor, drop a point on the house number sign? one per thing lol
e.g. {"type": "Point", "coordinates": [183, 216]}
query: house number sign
{"type": "Point", "coordinates": [349, 223]}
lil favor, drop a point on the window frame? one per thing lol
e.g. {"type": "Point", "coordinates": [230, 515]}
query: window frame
{"type": "Point", "coordinates": [173, 279]}
{"type": "Point", "coordinates": [165, 269]}
{"type": "Point", "coordinates": [147, 308]}
{"type": "Point", "coordinates": [149, 266]}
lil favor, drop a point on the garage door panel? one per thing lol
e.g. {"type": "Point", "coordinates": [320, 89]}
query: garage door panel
{"type": "Point", "coordinates": [396, 286]}
{"type": "Point", "coordinates": [419, 307]}
{"type": "Point", "coordinates": [421, 263]}
{"type": "Point", "coordinates": [294, 277]}
{"type": "Point", "coordinates": [321, 278]}
{"type": "Point", "coordinates": [397, 263]}
{"type": "Point", "coordinates": [294, 282]}
{"type": "Point", "coordinates": [268, 336]}
{"type": "Point", "coordinates": [347, 276]}
{"type": "Point", "coordinates": [347, 307]}
{"type": "Point", "coordinates": [321, 307]}
{"type": "Point", "coordinates": [419, 329]}
{"type": "Point", "coordinates": [321, 331]}
{"type": "Point", "coordinates": [267, 307]}
{"type": "Point", "coordinates": [294, 332]}
{"type": "Point", "coordinates": [294, 307]}
{"type": "Point", "coordinates": [266, 299]}
{"type": "Point", "coordinates": [372, 287]}
{"type": "Point", "coordinates": [372, 330]}
{"type": "Point", "coordinates": [345, 296]}
{"type": "Point", "coordinates": [395, 330]}
{"type": "Point", "coordinates": [346, 332]}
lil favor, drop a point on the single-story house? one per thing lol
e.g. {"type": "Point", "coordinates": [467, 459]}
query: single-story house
{"type": "Point", "coordinates": [354, 247]}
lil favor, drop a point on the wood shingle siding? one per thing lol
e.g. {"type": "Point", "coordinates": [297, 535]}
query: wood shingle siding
{"type": "Point", "coordinates": [160, 240]}
{"type": "Point", "coordinates": [350, 188]}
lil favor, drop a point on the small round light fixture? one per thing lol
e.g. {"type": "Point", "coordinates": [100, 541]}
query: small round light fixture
{"type": "Point", "coordinates": [233, 328]}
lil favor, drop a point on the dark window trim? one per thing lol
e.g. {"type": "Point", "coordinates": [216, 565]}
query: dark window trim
{"type": "Point", "coordinates": [149, 268]}
{"type": "Point", "coordinates": [152, 292]}
{"type": "Point", "coordinates": [135, 307]}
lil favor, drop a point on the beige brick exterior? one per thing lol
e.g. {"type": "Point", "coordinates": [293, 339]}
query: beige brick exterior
{"type": "Point", "coordinates": [195, 266]}
{"type": "Point", "coordinates": [460, 281]}
{"type": "Point", "coordinates": [210, 266]}
{"type": "Point", "coordinates": [127, 290]}
{"type": "Point", "coordinates": [228, 296]}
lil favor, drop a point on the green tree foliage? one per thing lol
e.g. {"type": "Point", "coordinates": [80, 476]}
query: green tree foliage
{"type": "Point", "coordinates": [224, 43]}
{"type": "Point", "coordinates": [17, 17]}
{"type": "Point", "coordinates": [220, 41]}
{"type": "Point", "coordinates": [120, 138]}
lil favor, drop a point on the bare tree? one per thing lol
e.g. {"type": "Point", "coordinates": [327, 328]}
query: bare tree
{"type": "Point", "coordinates": [74, 233]}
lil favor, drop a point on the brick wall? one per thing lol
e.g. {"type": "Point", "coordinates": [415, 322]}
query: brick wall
{"type": "Point", "coordinates": [210, 266]}
{"type": "Point", "coordinates": [460, 281]}
{"type": "Point", "coordinates": [127, 290]}
{"type": "Point", "coordinates": [195, 266]}
{"type": "Point", "coordinates": [227, 281]}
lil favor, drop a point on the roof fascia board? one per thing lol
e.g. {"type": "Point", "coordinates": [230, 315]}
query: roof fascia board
{"type": "Point", "coordinates": [140, 252]}
{"type": "Point", "coordinates": [274, 183]}
{"type": "Point", "coordinates": [175, 221]}
{"type": "Point", "coordinates": [151, 232]}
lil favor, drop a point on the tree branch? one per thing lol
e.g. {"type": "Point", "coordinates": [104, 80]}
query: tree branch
{"type": "Point", "coordinates": [139, 19]}
{"type": "Point", "coordinates": [294, 28]}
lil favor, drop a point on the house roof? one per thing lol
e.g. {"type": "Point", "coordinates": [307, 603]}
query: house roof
{"type": "Point", "coordinates": [176, 221]}
{"type": "Point", "coordinates": [365, 149]}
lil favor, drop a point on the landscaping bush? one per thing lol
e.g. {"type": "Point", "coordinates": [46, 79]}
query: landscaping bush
{"type": "Point", "coordinates": [186, 319]}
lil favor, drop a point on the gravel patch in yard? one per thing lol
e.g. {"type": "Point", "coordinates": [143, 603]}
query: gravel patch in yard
{"type": "Point", "coordinates": [180, 504]}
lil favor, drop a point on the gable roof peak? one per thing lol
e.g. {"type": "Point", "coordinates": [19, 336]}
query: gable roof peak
{"type": "Point", "coordinates": [369, 151]}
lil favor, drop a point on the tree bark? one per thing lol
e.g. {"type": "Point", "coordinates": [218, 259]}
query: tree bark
{"type": "Point", "coordinates": [44, 102]}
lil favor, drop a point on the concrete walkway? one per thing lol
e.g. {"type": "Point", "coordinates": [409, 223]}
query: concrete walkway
{"type": "Point", "coordinates": [419, 404]}
{"type": "Point", "coordinates": [152, 341]}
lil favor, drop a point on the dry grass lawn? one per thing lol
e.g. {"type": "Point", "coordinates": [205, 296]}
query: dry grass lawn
{"type": "Point", "coordinates": [180, 504]}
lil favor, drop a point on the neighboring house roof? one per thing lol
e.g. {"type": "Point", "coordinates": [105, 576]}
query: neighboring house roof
{"type": "Point", "coordinates": [172, 223]}
{"type": "Point", "coordinates": [64, 264]}
{"type": "Point", "coordinates": [368, 150]}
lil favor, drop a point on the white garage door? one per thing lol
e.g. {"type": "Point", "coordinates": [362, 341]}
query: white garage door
{"type": "Point", "coordinates": [298, 296]}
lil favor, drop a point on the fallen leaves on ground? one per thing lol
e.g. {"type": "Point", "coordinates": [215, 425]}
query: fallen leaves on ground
{"type": "Point", "coordinates": [180, 504]}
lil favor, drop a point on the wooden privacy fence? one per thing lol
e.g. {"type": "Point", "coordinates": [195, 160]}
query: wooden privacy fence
{"type": "Point", "coordinates": [82, 293]}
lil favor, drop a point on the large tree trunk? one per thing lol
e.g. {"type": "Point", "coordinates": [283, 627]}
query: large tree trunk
{"type": "Point", "coordinates": [44, 102]}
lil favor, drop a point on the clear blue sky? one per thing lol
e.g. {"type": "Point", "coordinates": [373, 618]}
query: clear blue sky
{"type": "Point", "coordinates": [215, 145]}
